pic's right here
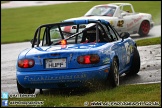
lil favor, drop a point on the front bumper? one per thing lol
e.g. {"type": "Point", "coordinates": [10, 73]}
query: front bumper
{"type": "Point", "coordinates": [62, 78]}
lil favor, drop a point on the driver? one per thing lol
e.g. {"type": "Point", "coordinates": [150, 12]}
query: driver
{"type": "Point", "coordinates": [89, 35]}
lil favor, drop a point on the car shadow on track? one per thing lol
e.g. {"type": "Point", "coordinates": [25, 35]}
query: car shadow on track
{"type": "Point", "coordinates": [80, 91]}
{"type": "Point", "coordinates": [124, 79]}
{"type": "Point", "coordinates": [137, 37]}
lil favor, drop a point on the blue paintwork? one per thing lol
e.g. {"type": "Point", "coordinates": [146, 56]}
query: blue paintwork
{"type": "Point", "coordinates": [86, 21]}
{"type": "Point", "coordinates": [74, 74]}
{"type": "Point", "coordinates": [81, 22]}
{"type": "Point", "coordinates": [54, 77]}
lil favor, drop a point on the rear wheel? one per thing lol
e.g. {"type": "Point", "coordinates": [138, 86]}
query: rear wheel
{"type": "Point", "coordinates": [23, 90]}
{"type": "Point", "coordinates": [113, 76]}
{"type": "Point", "coordinates": [144, 28]}
{"type": "Point", "coordinates": [135, 67]}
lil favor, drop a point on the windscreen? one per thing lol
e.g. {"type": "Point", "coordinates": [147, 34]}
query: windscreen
{"type": "Point", "coordinates": [101, 11]}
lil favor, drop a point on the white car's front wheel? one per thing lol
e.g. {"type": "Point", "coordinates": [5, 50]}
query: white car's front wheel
{"type": "Point", "coordinates": [144, 28]}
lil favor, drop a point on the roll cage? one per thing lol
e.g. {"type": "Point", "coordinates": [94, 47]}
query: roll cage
{"type": "Point", "coordinates": [97, 23]}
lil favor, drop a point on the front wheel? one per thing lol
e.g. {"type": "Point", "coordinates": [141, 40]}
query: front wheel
{"type": "Point", "coordinates": [23, 90]}
{"type": "Point", "coordinates": [144, 28]}
{"type": "Point", "coordinates": [113, 76]}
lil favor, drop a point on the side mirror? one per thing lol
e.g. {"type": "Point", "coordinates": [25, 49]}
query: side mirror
{"type": "Point", "coordinates": [123, 14]}
{"type": "Point", "coordinates": [35, 42]}
{"type": "Point", "coordinates": [124, 35]}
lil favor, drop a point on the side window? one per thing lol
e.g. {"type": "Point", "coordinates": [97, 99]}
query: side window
{"type": "Point", "coordinates": [54, 34]}
{"type": "Point", "coordinates": [50, 35]}
{"type": "Point", "coordinates": [44, 41]}
{"type": "Point", "coordinates": [43, 37]}
{"type": "Point", "coordinates": [113, 34]}
{"type": "Point", "coordinates": [107, 32]}
{"type": "Point", "coordinates": [127, 9]}
{"type": "Point", "coordinates": [110, 33]}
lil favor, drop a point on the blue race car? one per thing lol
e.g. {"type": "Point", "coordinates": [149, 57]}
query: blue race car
{"type": "Point", "coordinates": [61, 59]}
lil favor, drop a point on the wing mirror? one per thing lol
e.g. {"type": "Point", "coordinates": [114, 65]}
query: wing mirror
{"type": "Point", "coordinates": [123, 14]}
{"type": "Point", "coordinates": [124, 35]}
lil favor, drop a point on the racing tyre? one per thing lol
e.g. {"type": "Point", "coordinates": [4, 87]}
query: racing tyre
{"type": "Point", "coordinates": [23, 90]}
{"type": "Point", "coordinates": [135, 67]}
{"type": "Point", "coordinates": [113, 76]}
{"type": "Point", "coordinates": [144, 28]}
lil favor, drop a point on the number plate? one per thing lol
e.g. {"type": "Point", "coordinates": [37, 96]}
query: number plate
{"type": "Point", "coordinates": [56, 63]}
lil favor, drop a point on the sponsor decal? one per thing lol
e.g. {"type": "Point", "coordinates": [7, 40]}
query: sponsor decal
{"type": "Point", "coordinates": [111, 22]}
{"type": "Point", "coordinates": [120, 23]}
{"type": "Point", "coordinates": [138, 19]}
{"type": "Point", "coordinates": [129, 50]}
{"type": "Point", "coordinates": [50, 78]}
{"type": "Point", "coordinates": [130, 24]}
{"type": "Point", "coordinates": [106, 61]}
{"type": "Point", "coordinates": [134, 22]}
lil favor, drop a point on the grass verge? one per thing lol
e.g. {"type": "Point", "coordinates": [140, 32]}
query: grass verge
{"type": "Point", "coordinates": [149, 41]}
{"type": "Point", "coordinates": [4, 2]}
{"type": "Point", "coordinates": [149, 94]}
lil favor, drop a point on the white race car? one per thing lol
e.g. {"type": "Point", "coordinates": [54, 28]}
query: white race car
{"type": "Point", "coordinates": [121, 16]}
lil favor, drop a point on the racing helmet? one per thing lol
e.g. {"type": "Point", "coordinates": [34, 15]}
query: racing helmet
{"type": "Point", "coordinates": [90, 33]}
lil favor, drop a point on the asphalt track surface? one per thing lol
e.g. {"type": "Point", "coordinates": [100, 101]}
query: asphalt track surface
{"type": "Point", "coordinates": [150, 71]}
{"type": "Point", "coordinates": [19, 4]}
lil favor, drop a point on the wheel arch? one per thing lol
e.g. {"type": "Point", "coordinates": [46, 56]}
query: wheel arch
{"type": "Point", "coordinates": [113, 77]}
{"type": "Point", "coordinates": [116, 59]}
{"type": "Point", "coordinates": [141, 23]}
